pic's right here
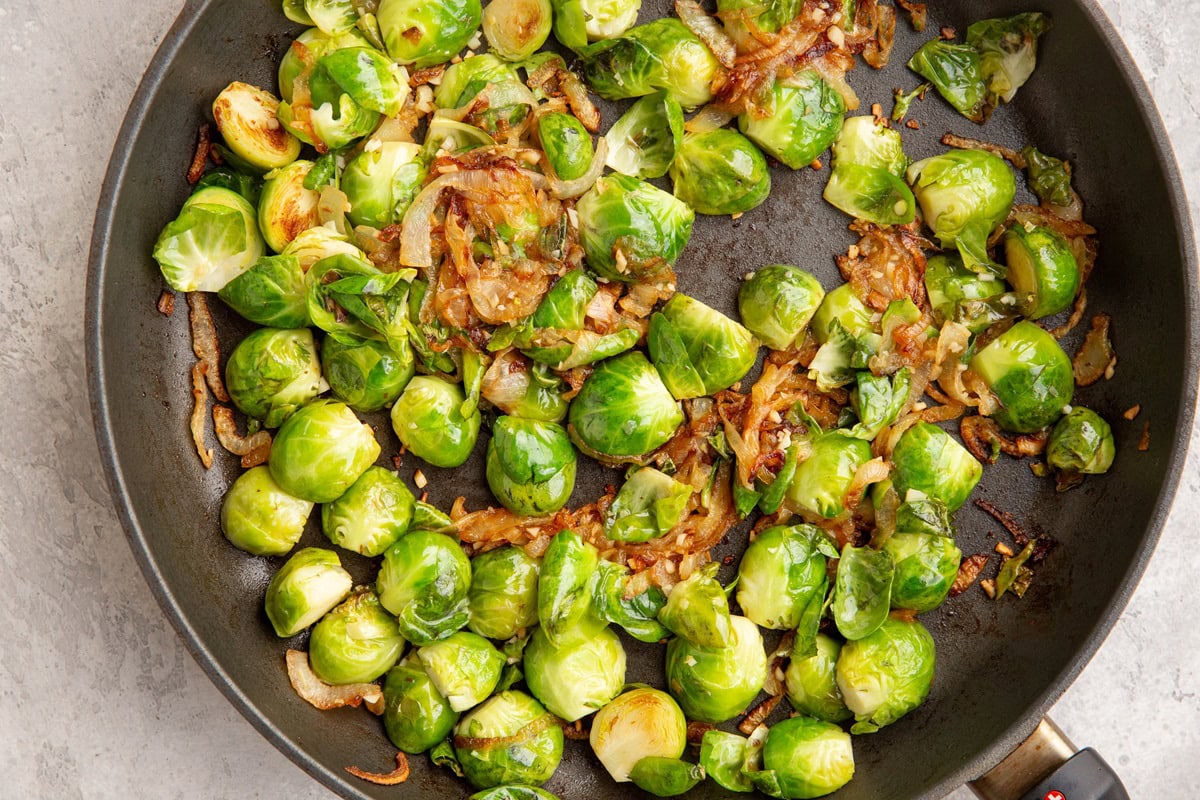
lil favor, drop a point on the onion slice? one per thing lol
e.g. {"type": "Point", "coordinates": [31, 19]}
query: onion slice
{"type": "Point", "coordinates": [573, 188]}
{"type": "Point", "coordinates": [254, 449]}
{"type": "Point", "coordinates": [396, 776]}
{"type": "Point", "coordinates": [199, 406]}
{"type": "Point", "coordinates": [321, 695]}
{"type": "Point", "coordinates": [1095, 359]}
{"type": "Point", "coordinates": [707, 30]}
{"type": "Point", "coordinates": [205, 344]}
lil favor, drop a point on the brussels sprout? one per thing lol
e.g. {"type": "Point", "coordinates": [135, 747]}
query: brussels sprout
{"type": "Point", "coordinates": [429, 422]}
{"type": "Point", "coordinates": [1081, 442]}
{"type": "Point", "coordinates": [367, 374]}
{"type": "Point", "coordinates": [715, 684]}
{"type": "Point", "coordinates": [415, 714]}
{"type": "Point", "coordinates": [270, 293]}
{"type": "Point", "coordinates": [887, 674]}
{"type": "Point", "coordinates": [381, 183]}
{"type": "Point", "coordinates": [643, 142]}
{"type": "Point", "coordinates": [866, 180]}
{"type": "Point", "coordinates": [314, 43]}
{"type": "Point", "coordinates": [567, 144]}
{"type": "Point", "coordinates": [864, 143]}
{"type": "Point", "coordinates": [821, 480]}
{"type": "Point", "coordinates": [286, 208]}
{"type": "Point", "coordinates": [646, 226]}
{"type": "Point", "coordinates": [330, 16]}
{"type": "Point", "coordinates": [466, 79]}
{"type": "Point", "coordinates": [927, 515]}
{"type": "Point", "coordinates": [697, 611]}
{"type": "Point", "coordinates": [370, 81]}
{"type": "Point", "coordinates": [272, 372]}
{"type": "Point", "coordinates": [781, 577]}
{"type": "Point", "coordinates": [1047, 177]}
{"type": "Point", "coordinates": [624, 409]}
{"type": "Point", "coordinates": [861, 590]}
{"type": "Point", "coordinates": [530, 465]}
{"type": "Point", "coordinates": [649, 504]}
{"type": "Point", "coordinates": [564, 587]}
{"type": "Point", "coordinates": [697, 350]}
{"type": "Point", "coordinates": [578, 21]}
{"type": "Point", "coordinates": [926, 568]}
{"type": "Point", "coordinates": [321, 450]}
{"type": "Point", "coordinates": [929, 460]}
{"type": "Point", "coordinates": [955, 71]}
{"type": "Point", "coordinates": [259, 517]}
{"type": "Point", "coordinates": [516, 29]}
{"type": "Point", "coordinates": [1042, 268]}
{"type": "Point", "coordinates": [356, 642]}
{"type": "Point", "coordinates": [350, 299]}
{"type": "Point", "coordinates": [842, 305]}
{"type": "Point", "coordinates": [503, 599]}
{"type": "Point", "coordinates": [811, 680]}
{"type": "Point", "coordinates": [1007, 51]}
{"type": "Point", "coordinates": [720, 172]}
{"type": "Point", "coordinates": [428, 518]}
{"type": "Point", "coordinates": [738, 16]}
{"type": "Point", "coordinates": [1029, 374]}
{"type": "Point", "coordinates": [804, 117]}
{"type": "Point", "coordinates": [448, 136]}
{"type": "Point", "coordinates": [835, 361]}
{"type": "Point", "coordinates": [247, 118]}
{"type": "Point", "coordinates": [212, 241]}
{"type": "Point", "coordinates": [372, 514]}
{"type": "Point", "coordinates": [530, 759]}
{"type": "Point", "coordinates": [638, 614]}
{"type": "Point", "coordinates": [964, 194]}
{"type": "Point", "coordinates": [441, 29]}
{"type": "Point", "coordinates": [953, 289]}
{"type": "Point", "coordinates": [662, 54]}
{"type": "Point", "coordinates": [317, 244]}
{"type": "Point", "coordinates": [310, 584]}
{"type": "Point", "coordinates": [515, 792]}
{"type": "Point", "coordinates": [464, 667]}
{"type": "Point", "coordinates": [578, 677]}
{"type": "Point", "coordinates": [638, 724]}
{"type": "Point", "coordinates": [777, 303]}
{"type": "Point", "coordinates": [722, 755]}
{"type": "Point", "coordinates": [665, 777]}
{"type": "Point", "coordinates": [518, 388]}
{"type": "Point", "coordinates": [877, 401]}
{"type": "Point", "coordinates": [248, 186]}
{"type": "Point", "coordinates": [424, 580]}
{"type": "Point", "coordinates": [565, 305]}
{"type": "Point", "coordinates": [805, 758]}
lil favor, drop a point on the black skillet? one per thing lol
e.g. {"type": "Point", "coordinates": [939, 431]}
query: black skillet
{"type": "Point", "coordinates": [1001, 665]}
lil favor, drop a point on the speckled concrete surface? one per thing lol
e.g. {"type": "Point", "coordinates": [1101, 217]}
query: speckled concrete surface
{"type": "Point", "coordinates": [99, 699]}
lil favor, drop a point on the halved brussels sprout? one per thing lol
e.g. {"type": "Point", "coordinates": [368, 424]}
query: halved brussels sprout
{"type": "Point", "coordinates": [1007, 51]}
{"type": "Point", "coordinates": [926, 568]}
{"type": "Point", "coordinates": [530, 465]}
{"type": "Point", "coordinates": [887, 674]}
{"type": "Point", "coordinates": [867, 177]}
{"type": "Point", "coordinates": [639, 723]}
{"type": "Point", "coordinates": [565, 305]}
{"type": "Point", "coordinates": [577, 677]}
{"type": "Point", "coordinates": [270, 293]}
{"type": "Point", "coordinates": [649, 504]}
{"type": "Point", "coordinates": [304, 589]}
{"type": "Point", "coordinates": [564, 587]}
{"type": "Point", "coordinates": [954, 70]}
{"type": "Point", "coordinates": [1029, 374]}
{"type": "Point", "coordinates": [356, 642]}
{"type": "Point", "coordinates": [955, 291]}
{"type": "Point", "coordinates": [259, 517]}
{"type": "Point", "coordinates": [514, 792]}
{"type": "Point", "coordinates": [330, 16]}
{"type": "Point", "coordinates": [861, 590]}
{"type": "Point", "coordinates": [805, 758]}
{"type": "Point", "coordinates": [530, 759]}
{"type": "Point", "coordinates": [624, 409]}
{"type": "Point", "coordinates": [516, 29]}
{"type": "Point", "coordinates": [662, 54]}
{"type": "Point", "coordinates": [415, 714]}
{"type": "Point", "coordinates": [1042, 268]}
{"type": "Point", "coordinates": [931, 461]}
{"type": "Point", "coordinates": [424, 580]}
{"type": "Point", "coordinates": [424, 34]}
{"type": "Point", "coordinates": [286, 208]}
{"type": "Point", "coordinates": [366, 374]}
{"type": "Point", "coordinates": [321, 450]}
{"type": "Point", "coordinates": [821, 481]}
{"type": "Point", "coordinates": [247, 118]}
{"type": "Point", "coordinates": [466, 79]}
{"type": "Point", "coordinates": [804, 118]}
{"type": "Point", "coordinates": [314, 43]}
{"type": "Point", "coordinates": [212, 241]}
{"type": "Point", "coordinates": [503, 599]}
{"type": "Point", "coordinates": [372, 514]}
{"type": "Point", "coordinates": [643, 142]}
{"type": "Point", "coordinates": [1081, 443]}
{"type": "Point", "coordinates": [698, 350]}
{"type": "Point", "coordinates": [715, 684]}
{"type": "Point", "coordinates": [464, 667]}
{"type": "Point", "coordinates": [637, 614]}
{"type": "Point", "coordinates": [319, 243]}
{"type": "Point", "coordinates": [566, 143]}
{"type": "Point", "coordinates": [720, 172]}
{"type": "Point", "coordinates": [665, 777]}
{"type": "Point", "coordinates": [631, 230]}
{"type": "Point", "coordinates": [740, 17]}
{"type": "Point", "coordinates": [697, 610]}
{"type": "Point", "coordinates": [781, 578]}
{"type": "Point", "coordinates": [723, 755]}
{"type": "Point", "coordinates": [273, 372]}
{"type": "Point", "coordinates": [865, 143]}
{"type": "Point", "coordinates": [778, 302]}
{"type": "Point", "coordinates": [811, 680]}
{"type": "Point", "coordinates": [428, 420]}
{"type": "Point", "coordinates": [380, 183]}
{"type": "Point", "coordinates": [842, 305]}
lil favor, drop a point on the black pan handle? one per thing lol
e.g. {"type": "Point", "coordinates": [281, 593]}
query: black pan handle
{"type": "Point", "coordinates": [1046, 766]}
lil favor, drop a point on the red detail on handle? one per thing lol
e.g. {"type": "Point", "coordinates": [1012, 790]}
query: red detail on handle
{"type": "Point", "coordinates": [1054, 794]}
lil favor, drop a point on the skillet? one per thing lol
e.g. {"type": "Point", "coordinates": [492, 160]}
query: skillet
{"type": "Point", "coordinates": [1000, 665]}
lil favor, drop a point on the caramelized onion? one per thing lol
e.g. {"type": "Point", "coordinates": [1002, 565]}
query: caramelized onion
{"type": "Point", "coordinates": [396, 776]}
{"type": "Point", "coordinates": [321, 695]}
{"type": "Point", "coordinates": [254, 449]}
{"type": "Point", "coordinates": [199, 406]}
{"type": "Point", "coordinates": [707, 30]}
{"type": "Point", "coordinates": [205, 344]}
{"type": "Point", "coordinates": [1095, 358]}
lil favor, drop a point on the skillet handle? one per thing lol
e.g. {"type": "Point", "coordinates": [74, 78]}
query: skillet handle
{"type": "Point", "coordinates": [1047, 766]}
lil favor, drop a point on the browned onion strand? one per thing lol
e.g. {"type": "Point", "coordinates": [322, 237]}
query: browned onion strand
{"type": "Point", "coordinates": [324, 696]}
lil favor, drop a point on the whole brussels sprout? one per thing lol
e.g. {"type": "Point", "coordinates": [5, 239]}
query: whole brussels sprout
{"type": "Point", "coordinates": [372, 514]}
{"type": "Point", "coordinates": [259, 517]}
{"type": "Point", "coordinates": [321, 450]}
{"type": "Point", "coordinates": [781, 578]}
{"type": "Point", "coordinates": [662, 54]}
{"type": "Point", "coordinates": [649, 504]}
{"type": "Point", "coordinates": [530, 465]}
{"type": "Point", "coordinates": [715, 684]}
{"type": "Point", "coordinates": [304, 589]}
{"type": "Point", "coordinates": [565, 305]}
{"type": "Point", "coordinates": [381, 183]}
{"type": "Point", "coordinates": [356, 642]}
{"type": "Point", "coordinates": [317, 244]}
{"type": "Point", "coordinates": [926, 568]}
{"type": "Point", "coordinates": [844, 307]}
{"type": "Point", "coordinates": [929, 460]}
{"type": "Point", "coordinates": [415, 714]}
{"type": "Point", "coordinates": [665, 777]}
{"type": "Point", "coordinates": [503, 599]}
{"type": "Point", "coordinates": [1081, 443]}
{"type": "Point", "coordinates": [464, 80]}
{"type": "Point", "coordinates": [955, 291]}
{"type": "Point", "coordinates": [1029, 374]}
{"type": "Point", "coordinates": [330, 16]}
{"type": "Point", "coordinates": [805, 758]}
{"type": "Point", "coordinates": [720, 172]}
{"type": "Point", "coordinates": [577, 677]}
{"type": "Point", "coordinates": [861, 590]}
{"type": "Point", "coordinates": [212, 241]}
{"type": "Point", "coordinates": [566, 143]}
{"type": "Point", "coordinates": [270, 293]}
{"type": "Point", "coordinates": [1042, 268]}
{"type": "Point", "coordinates": [639, 723]}
{"type": "Point", "coordinates": [821, 481]}
{"type": "Point", "coordinates": [366, 374]}
{"type": "Point", "coordinates": [698, 350]}
{"type": "Point", "coordinates": [867, 176]}
{"type": "Point", "coordinates": [273, 372]}
{"type": "Point", "coordinates": [887, 674]}
{"type": "Point", "coordinates": [698, 610]}
{"type": "Point", "coordinates": [811, 680]}
{"type": "Point", "coordinates": [464, 667]}
{"type": "Point", "coordinates": [531, 760]}
{"type": "Point", "coordinates": [643, 142]}
{"type": "Point", "coordinates": [247, 118]}
{"type": "Point", "coordinates": [564, 596]}
{"type": "Point", "coordinates": [424, 580]}
{"type": "Point", "coordinates": [803, 119]}
{"type": "Point", "coordinates": [285, 207]}
{"type": "Point", "coordinates": [777, 303]}
{"type": "Point", "coordinates": [631, 230]}
{"type": "Point", "coordinates": [428, 420]}
{"type": "Point", "coordinates": [442, 29]}
{"type": "Point", "coordinates": [954, 71]}
{"type": "Point", "coordinates": [576, 22]}
{"type": "Point", "coordinates": [624, 409]}
{"type": "Point", "coordinates": [516, 29]}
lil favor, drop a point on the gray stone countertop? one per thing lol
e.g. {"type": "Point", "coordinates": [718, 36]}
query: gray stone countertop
{"type": "Point", "coordinates": [98, 697]}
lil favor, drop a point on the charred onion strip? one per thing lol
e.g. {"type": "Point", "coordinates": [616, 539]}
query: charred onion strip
{"type": "Point", "coordinates": [200, 157]}
{"type": "Point", "coordinates": [166, 303]}
{"type": "Point", "coordinates": [199, 409]}
{"type": "Point", "coordinates": [1077, 312]}
{"type": "Point", "coordinates": [1095, 358]}
{"type": "Point", "coordinates": [321, 695]}
{"type": "Point", "coordinates": [886, 264]}
{"type": "Point", "coordinates": [873, 471]}
{"type": "Point", "coordinates": [396, 776]}
{"type": "Point", "coordinates": [205, 344]}
{"type": "Point", "coordinates": [254, 449]}
{"type": "Point", "coordinates": [964, 143]}
{"type": "Point", "coordinates": [983, 437]}
{"type": "Point", "coordinates": [916, 13]}
{"type": "Point", "coordinates": [1144, 442]}
{"type": "Point", "coordinates": [758, 715]}
{"type": "Point", "coordinates": [542, 723]}
{"type": "Point", "coordinates": [968, 571]}
{"type": "Point", "coordinates": [553, 79]}
{"type": "Point", "coordinates": [707, 30]}
{"type": "Point", "coordinates": [696, 731]}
